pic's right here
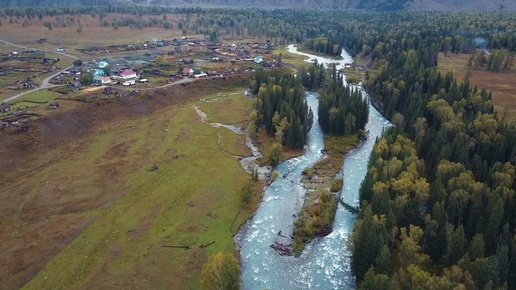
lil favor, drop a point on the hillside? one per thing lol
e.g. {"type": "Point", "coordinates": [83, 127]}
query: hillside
{"type": "Point", "coordinates": [384, 5]}
{"type": "Point", "coordinates": [110, 185]}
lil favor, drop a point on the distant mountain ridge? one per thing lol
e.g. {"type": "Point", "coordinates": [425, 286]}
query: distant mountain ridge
{"type": "Point", "coordinates": [382, 5]}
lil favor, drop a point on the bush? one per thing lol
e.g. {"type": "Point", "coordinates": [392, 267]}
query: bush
{"type": "Point", "coordinates": [336, 185]}
{"type": "Point", "coordinates": [353, 79]}
{"type": "Point", "coordinates": [275, 154]}
{"type": "Point", "coordinates": [308, 173]}
{"type": "Point", "coordinates": [247, 193]}
{"type": "Point", "coordinates": [221, 271]}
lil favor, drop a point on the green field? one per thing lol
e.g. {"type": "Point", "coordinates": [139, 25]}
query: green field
{"type": "Point", "coordinates": [131, 187]}
{"type": "Point", "coordinates": [38, 96]}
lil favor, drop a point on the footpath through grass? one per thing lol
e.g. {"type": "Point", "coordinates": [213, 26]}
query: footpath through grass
{"type": "Point", "coordinates": [186, 194]}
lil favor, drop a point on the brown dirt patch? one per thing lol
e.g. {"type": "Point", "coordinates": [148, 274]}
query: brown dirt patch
{"type": "Point", "coordinates": [21, 242]}
{"type": "Point", "coordinates": [145, 224]}
{"type": "Point", "coordinates": [323, 173]}
{"type": "Point", "coordinates": [69, 37]}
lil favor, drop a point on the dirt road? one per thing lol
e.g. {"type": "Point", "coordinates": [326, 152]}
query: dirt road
{"type": "Point", "coordinates": [29, 48]}
{"type": "Point", "coordinates": [44, 85]}
{"type": "Point", "coordinates": [45, 82]}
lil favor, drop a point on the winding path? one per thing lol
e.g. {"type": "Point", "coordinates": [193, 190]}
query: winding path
{"type": "Point", "coordinates": [45, 82]}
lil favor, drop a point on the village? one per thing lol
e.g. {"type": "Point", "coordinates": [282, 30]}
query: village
{"type": "Point", "coordinates": [114, 71]}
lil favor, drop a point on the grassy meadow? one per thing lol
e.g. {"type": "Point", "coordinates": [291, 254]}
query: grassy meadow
{"type": "Point", "coordinates": [105, 191]}
{"type": "Point", "coordinates": [501, 83]}
{"type": "Point", "coordinates": [44, 95]}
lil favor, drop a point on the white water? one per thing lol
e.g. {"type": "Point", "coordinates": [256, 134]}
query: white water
{"type": "Point", "coordinates": [325, 263]}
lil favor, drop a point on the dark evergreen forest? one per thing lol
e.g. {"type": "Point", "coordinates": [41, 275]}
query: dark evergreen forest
{"type": "Point", "coordinates": [282, 111]}
{"type": "Point", "coordinates": [438, 201]}
{"type": "Point", "coordinates": [281, 107]}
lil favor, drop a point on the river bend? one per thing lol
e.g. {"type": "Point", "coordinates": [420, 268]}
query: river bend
{"type": "Point", "coordinates": [325, 263]}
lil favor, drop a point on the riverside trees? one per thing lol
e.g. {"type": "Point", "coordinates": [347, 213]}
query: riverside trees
{"type": "Point", "coordinates": [281, 107]}
{"type": "Point", "coordinates": [342, 109]}
{"type": "Point", "coordinates": [282, 110]}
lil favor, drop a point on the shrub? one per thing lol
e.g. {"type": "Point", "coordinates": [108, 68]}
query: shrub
{"type": "Point", "coordinates": [336, 185]}
{"type": "Point", "coordinates": [221, 271]}
{"type": "Point", "coordinates": [247, 193]}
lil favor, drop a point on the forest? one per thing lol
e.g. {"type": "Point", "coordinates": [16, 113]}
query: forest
{"type": "Point", "coordinates": [380, 5]}
{"type": "Point", "coordinates": [281, 108]}
{"type": "Point", "coordinates": [437, 204]}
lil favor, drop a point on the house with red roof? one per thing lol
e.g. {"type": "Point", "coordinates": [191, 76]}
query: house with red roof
{"type": "Point", "coordinates": [188, 71]}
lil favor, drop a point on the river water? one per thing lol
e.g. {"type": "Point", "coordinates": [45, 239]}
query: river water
{"type": "Point", "coordinates": [325, 263]}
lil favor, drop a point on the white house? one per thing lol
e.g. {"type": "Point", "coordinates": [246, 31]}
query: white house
{"type": "Point", "coordinates": [102, 80]}
{"type": "Point", "coordinates": [129, 83]}
{"type": "Point", "coordinates": [201, 75]}
{"type": "Point", "coordinates": [127, 74]}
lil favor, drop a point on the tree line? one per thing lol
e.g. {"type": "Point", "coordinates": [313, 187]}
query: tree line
{"type": "Point", "coordinates": [342, 109]}
{"type": "Point", "coordinates": [281, 109]}
{"type": "Point", "coordinates": [496, 61]}
{"type": "Point", "coordinates": [380, 5]}
{"type": "Point", "coordinates": [323, 45]}
{"type": "Point", "coordinates": [363, 32]}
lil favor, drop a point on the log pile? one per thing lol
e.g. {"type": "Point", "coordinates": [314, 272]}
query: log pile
{"type": "Point", "coordinates": [283, 250]}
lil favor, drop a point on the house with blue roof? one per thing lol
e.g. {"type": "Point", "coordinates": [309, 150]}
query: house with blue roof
{"type": "Point", "coordinates": [99, 72]}
{"type": "Point", "coordinates": [258, 59]}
